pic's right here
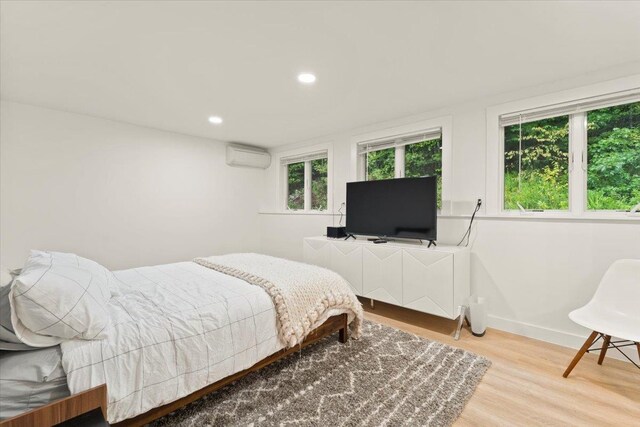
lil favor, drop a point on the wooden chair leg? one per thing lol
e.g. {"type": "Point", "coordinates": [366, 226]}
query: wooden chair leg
{"type": "Point", "coordinates": [638, 345]}
{"type": "Point", "coordinates": [605, 347]}
{"type": "Point", "coordinates": [580, 353]}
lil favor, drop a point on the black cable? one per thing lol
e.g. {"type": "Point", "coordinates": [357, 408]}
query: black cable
{"type": "Point", "coordinates": [467, 234]}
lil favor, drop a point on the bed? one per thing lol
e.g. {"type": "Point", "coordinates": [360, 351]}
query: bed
{"type": "Point", "coordinates": [30, 379]}
{"type": "Point", "coordinates": [176, 332]}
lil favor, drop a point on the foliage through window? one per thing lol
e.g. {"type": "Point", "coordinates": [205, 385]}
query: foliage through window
{"type": "Point", "coordinates": [425, 159]}
{"type": "Point", "coordinates": [418, 159]}
{"type": "Point", "coordinates": [307, 182]}
{"type": "Point", "coordinates": [540, 167]}
{"type": "Point", "coordinates": [319, 184]}
{"type": "Point", "coordinates": [295, 175]}
{"type": "Point", "coordinates": [381, 164]}
{"type": "Point", "coordinates": [613, 149]}
{"type": "Point", "coordinates": [536, 165]}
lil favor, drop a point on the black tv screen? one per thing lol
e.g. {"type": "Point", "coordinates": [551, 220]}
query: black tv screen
{"type": "Point", "coordinates": [403, 208]}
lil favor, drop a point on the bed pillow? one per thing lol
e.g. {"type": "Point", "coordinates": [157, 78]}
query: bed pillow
{"type": "Point", "coordinates": [8, 339]}
{"type": "Point", "coordinates": [107, 283]}
{"type": "Point", "coordinates": [59, 296]}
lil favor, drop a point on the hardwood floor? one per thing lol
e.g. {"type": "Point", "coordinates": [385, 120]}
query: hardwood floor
{"type": "Point", "coordinates": [524, 386]}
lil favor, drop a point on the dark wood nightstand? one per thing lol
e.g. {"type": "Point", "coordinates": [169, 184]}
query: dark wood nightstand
{"type": "Point", "coordinates": [88, 408]}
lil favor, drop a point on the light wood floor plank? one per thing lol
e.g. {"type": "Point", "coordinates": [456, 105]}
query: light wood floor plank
{"type": "Point", "coordinates": [524, 386]}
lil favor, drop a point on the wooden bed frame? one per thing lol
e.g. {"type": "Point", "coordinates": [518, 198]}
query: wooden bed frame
{"type": "Point", "coordinates": [75, 405]}
{"type": "Point", "coordinates": [62, 410]}
{"type": "Point", "coordinates": [332, 325]}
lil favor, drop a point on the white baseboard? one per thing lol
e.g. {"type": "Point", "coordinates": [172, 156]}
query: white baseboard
{"type": "Point", "coordinates": [549, 335]}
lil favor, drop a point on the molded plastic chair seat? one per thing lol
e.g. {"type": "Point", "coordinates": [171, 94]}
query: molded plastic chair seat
{"type": "Point", "coordinates": [614, 310]}
{"type": "Point", "coordinates": [608, 322]}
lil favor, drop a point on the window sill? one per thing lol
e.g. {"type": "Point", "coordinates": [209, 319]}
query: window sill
{"type": "Point", "coordinates": [317, 213]}
{"type": "Point", "coordinates": [559, 217]}
{"type": "Point", "coordinates": [534, 216]}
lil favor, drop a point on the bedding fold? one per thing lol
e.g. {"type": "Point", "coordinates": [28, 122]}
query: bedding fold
{"type": "Point", "coordinates": [304, 295]}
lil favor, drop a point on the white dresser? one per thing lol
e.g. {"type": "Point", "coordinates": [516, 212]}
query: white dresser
{"type": "Point", "coordinates": [433, 280]}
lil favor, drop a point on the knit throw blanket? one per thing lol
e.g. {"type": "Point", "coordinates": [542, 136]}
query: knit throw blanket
{"type": "Point", "coordinates": [304, 295]}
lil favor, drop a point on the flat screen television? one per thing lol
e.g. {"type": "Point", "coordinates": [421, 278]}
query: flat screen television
{"type": "Point", "coordinates": [403, 208]}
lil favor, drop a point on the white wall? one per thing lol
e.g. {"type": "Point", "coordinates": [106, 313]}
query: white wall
{"type": "Point", "coordinates": [533, 271]}
{"type": "Point", "coordinates": [129, 196]}
{"type": "Point", "coordinates": [122, 195]}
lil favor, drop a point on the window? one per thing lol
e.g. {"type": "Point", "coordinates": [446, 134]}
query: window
{"type": "Point", "coordinates": [381, 164]}
{"type": "Point", "coordinates": [295, 180]}
{"type": "Point", "coordinates": [536, 165]}
{"type": "Point", "coordinates": [411, 156]}
{"type": "Point", "coordinates": [425, 159]}
{"type": "Point", "coordinates": [573, 157]}
{"type": "Point", "coordinates": [319, 184]}
{"type": "Point", "coordinates": [613, 157]}
{"type": "Point", "coordinates": [306, 179]}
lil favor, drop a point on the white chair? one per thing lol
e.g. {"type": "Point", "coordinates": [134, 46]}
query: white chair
{"type": "Point", "coordinates": [614, 311]}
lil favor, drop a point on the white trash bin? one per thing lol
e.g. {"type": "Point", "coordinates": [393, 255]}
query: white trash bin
{"type": "Point", "coordinates": [478, 315]}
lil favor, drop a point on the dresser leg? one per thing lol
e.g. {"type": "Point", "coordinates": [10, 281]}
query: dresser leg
{"type": "Point", "coordinates": [372, 303]}
{"type": "Point", "coordinates": [462, 314]}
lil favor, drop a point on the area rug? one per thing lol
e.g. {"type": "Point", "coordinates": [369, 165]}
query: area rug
{"type": "Point", "coordinates": [387, 377]}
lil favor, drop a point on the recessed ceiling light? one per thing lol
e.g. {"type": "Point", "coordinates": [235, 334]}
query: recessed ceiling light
{"type": "Point", "coordinates": [306, 78]}
{"type": "Point", "coordinates": [215, 120]}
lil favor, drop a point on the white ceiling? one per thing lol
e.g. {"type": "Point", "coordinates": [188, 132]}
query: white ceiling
{"type": "Point", "coordinates": [170, 65]}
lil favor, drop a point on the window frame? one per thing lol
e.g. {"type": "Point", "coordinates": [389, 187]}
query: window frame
{"type": "Point", "coordinates": [364, 161]}
{"type": "Point", "coordinates": [399, 160]}
{"type": "Point", "coordinates": [605, 94]}
{"type": "Point", "coordinates": [290, 157]}
{"type": "Point", "coordinates": [444, 124]}
{"type": "Point", "coordinates": [570, 201]}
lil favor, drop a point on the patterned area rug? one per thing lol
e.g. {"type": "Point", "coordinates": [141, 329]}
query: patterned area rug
{"type": "Point", "coordinates": [387, 377]}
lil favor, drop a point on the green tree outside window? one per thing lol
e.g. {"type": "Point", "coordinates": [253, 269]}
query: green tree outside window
{"type": "Point", "coordinates": [541, 181]}
{"type": "Point", "coordinates": [613, 148]}
{"type": "Point", "coordinates": [421, 159]}
{"type": "Point", "coordinates": [381, 164]}
{"type": "Point", "coordinates": [295, 177]}
{"type": "Point", "coordinates": [319, 184]}
{"type": "Point", "coordinates": [537, 177]}
{"type": "Point", "coordinates": [425, 159]}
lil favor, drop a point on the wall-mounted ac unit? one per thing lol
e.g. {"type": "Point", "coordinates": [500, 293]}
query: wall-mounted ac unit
{"type": "Point", "coordinates": [247, 156]}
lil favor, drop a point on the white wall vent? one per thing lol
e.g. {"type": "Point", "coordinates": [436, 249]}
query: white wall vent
{"type": "Point", "coordinates": [247, 156]}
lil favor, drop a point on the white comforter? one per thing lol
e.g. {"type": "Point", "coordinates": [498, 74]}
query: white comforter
{"type": "Point", "coordinates": [175, 329]}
